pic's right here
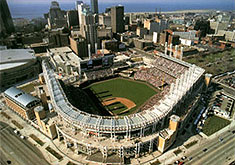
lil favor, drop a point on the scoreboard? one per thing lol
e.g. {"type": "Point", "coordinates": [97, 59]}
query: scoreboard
{"type": "Point", "coordinates": [95, 63]}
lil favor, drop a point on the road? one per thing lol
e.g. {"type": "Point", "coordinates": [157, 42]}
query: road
{"type": "Point", "coordinates": [217, 152]}
{"type": "Point", "coordinates": [221, 154]}
{"type": "Point", "coordinates": [18, 151]}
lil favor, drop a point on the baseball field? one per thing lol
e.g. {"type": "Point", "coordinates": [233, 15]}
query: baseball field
{"type": "Point", "coordinates": [121, 96]}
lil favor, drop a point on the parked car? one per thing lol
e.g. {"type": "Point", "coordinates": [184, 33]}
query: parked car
{"type": "Point", "coordinates": [16, 132]}
{"type": "Point", "coordinates": [177, 162]}
{"type": "Point", "coordinates": [22, 137]}
{"type": "Point", "coordinates": [221, 139]}
{"type": "Point", "coordinates": [204, 150]}
{"type": "Point", "coordinates": [184, 157]}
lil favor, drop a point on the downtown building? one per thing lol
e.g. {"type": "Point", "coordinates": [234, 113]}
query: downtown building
{"type": "Point", "coordinates": [56, 17]}
{"type": "Point", "coordinates": [88, 26]}
{"type": "Point", "coordinates": [117, 19]}
{"type": "Point", "coordinates": [72, 18]}
{"type": "Point", "coordinates": [94, 6]}
{"type": "Point", "coordinates": [6, 23]}
{"type": "Point", "coordinates": [95, 10]}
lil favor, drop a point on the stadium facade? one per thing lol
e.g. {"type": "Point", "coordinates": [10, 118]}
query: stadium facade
{"type": "Point", "coordinates": [130, 135]}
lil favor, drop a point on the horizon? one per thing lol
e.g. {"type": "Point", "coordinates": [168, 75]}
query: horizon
{"type": "Point", "coordinates": [29, 10]}
{"type": "Point", "coordinates": [121, 1]}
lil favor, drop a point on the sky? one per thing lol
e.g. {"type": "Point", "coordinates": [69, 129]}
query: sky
{"type": "Point", "coordinates": [128, 1]}
{"type": "Point", "coordinates": [36, 8]}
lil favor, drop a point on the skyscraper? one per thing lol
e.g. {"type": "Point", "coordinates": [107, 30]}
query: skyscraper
{"type": "Point", "coordinates": [77, 3]}
{"type": "Point", "coordinates": [82, 8]}
{"type": "Point", "coordinates": [95, 10]}
{"type": "Point", "coordinates": [56, 16]}
{"type": "Point", "coordinates": [94, 7]}
{"type": "Point", "coordinates": [72, 18]}
{"type": "Point", "coordinates": [117, 19]}
{"type": "Point", "coordinates": [90, 29]}
{"type": "Point", "coordinates": [88, 26]}
{"type": "Point", "coordinates": [6, 23]}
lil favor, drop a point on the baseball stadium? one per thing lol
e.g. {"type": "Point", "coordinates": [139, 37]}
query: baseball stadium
{"type": "Point", "coordinates": [109, 118]}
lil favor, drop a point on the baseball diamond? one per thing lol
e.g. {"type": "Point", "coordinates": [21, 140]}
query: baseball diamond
{"type": "Point", "coordinates": [133, 109]}
{"type": "Point", "coordinates": [130, 93]}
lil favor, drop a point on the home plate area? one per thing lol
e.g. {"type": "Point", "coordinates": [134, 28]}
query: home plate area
{"type": "Point", "coordinates": [118, 105]}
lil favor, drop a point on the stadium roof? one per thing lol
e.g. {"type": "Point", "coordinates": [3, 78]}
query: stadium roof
{"type": "Point", "coordinates": [11, 58]}
{"type": "Point", "coordinates": [20, 97]}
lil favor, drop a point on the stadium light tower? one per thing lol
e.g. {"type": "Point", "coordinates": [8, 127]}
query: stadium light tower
{"type": "Point", "coordinates": [89, 50]}
{"type": "Point", "coordinates": [170, 50]}
{"type": "Point", "coordinates": [165, 48]}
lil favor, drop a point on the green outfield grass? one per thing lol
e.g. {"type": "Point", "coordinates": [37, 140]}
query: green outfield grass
{"type": "Point", "coordinates": [135, 91]}
{"type": "Point", "coordinates": [214, 124]}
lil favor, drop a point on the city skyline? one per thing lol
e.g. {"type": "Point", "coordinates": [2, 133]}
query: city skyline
{"type": "Point", "coordinates": [124, 1]}
{"type": "Point", "coordinates": [117, 82]}
{"type": "Point", "coordinates": [28, 9]}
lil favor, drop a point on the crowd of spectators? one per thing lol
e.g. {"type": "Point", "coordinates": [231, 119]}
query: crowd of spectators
{"type": "Point", "coordinates": [97, 74]}
{"type": "Point", "coordinates": [155, 99]}
{"type": "Point", "coordinates": [154, 76]}
{"type": "Point", "coordinates": [163, 73]}
{"type": "Point", "coordinates": [170, 67]}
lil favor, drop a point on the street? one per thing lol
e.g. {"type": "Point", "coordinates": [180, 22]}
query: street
{"type": "Point", "coordinates": [16, 150]}
{"type": "Point", "coordinates": [218, 152]}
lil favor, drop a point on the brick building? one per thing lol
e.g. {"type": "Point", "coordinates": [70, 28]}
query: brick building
{"type": "Point", "coordinates": [21, 102]}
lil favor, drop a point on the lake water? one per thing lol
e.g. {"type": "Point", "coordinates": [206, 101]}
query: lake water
{"type": "Point", "coordinates": [37, 10]}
